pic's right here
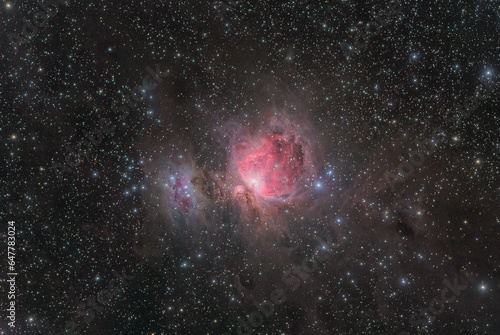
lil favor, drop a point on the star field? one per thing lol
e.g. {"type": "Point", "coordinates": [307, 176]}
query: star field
{"type": "Point", "coordinates": [251, 166]}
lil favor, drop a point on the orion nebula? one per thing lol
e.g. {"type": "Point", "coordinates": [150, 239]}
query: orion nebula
{"type": "Point", "coordinates": [274, 161]}
{"type": "Point", "coordinates": [263, 169]}
{"type": "Point", "coordinates": [270, 167]}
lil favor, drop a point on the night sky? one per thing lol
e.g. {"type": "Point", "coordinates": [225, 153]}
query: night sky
{"type": "Point", "coordinates": [250, 167]}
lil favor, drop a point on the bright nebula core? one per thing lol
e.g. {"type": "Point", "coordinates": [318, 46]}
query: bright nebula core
{"type": "Point", "coordinates": [272, 167]}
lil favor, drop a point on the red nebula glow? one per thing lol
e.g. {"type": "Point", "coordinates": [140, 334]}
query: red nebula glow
{"type": "Point", "coordinates": [182, 193]}
{"type": "Point", "coordinates": [239, 190]}
{"type": "Point", "coordinates": [272, 167]}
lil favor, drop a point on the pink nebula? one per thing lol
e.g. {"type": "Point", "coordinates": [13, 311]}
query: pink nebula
{"type": "Point", "coordinates": [182, 193]}
{"type": "Point", "coordinates": [271, 167]}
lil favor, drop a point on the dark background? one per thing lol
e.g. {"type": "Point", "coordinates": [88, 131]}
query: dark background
{"type": "Point", "coordinates": [230, 63]}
